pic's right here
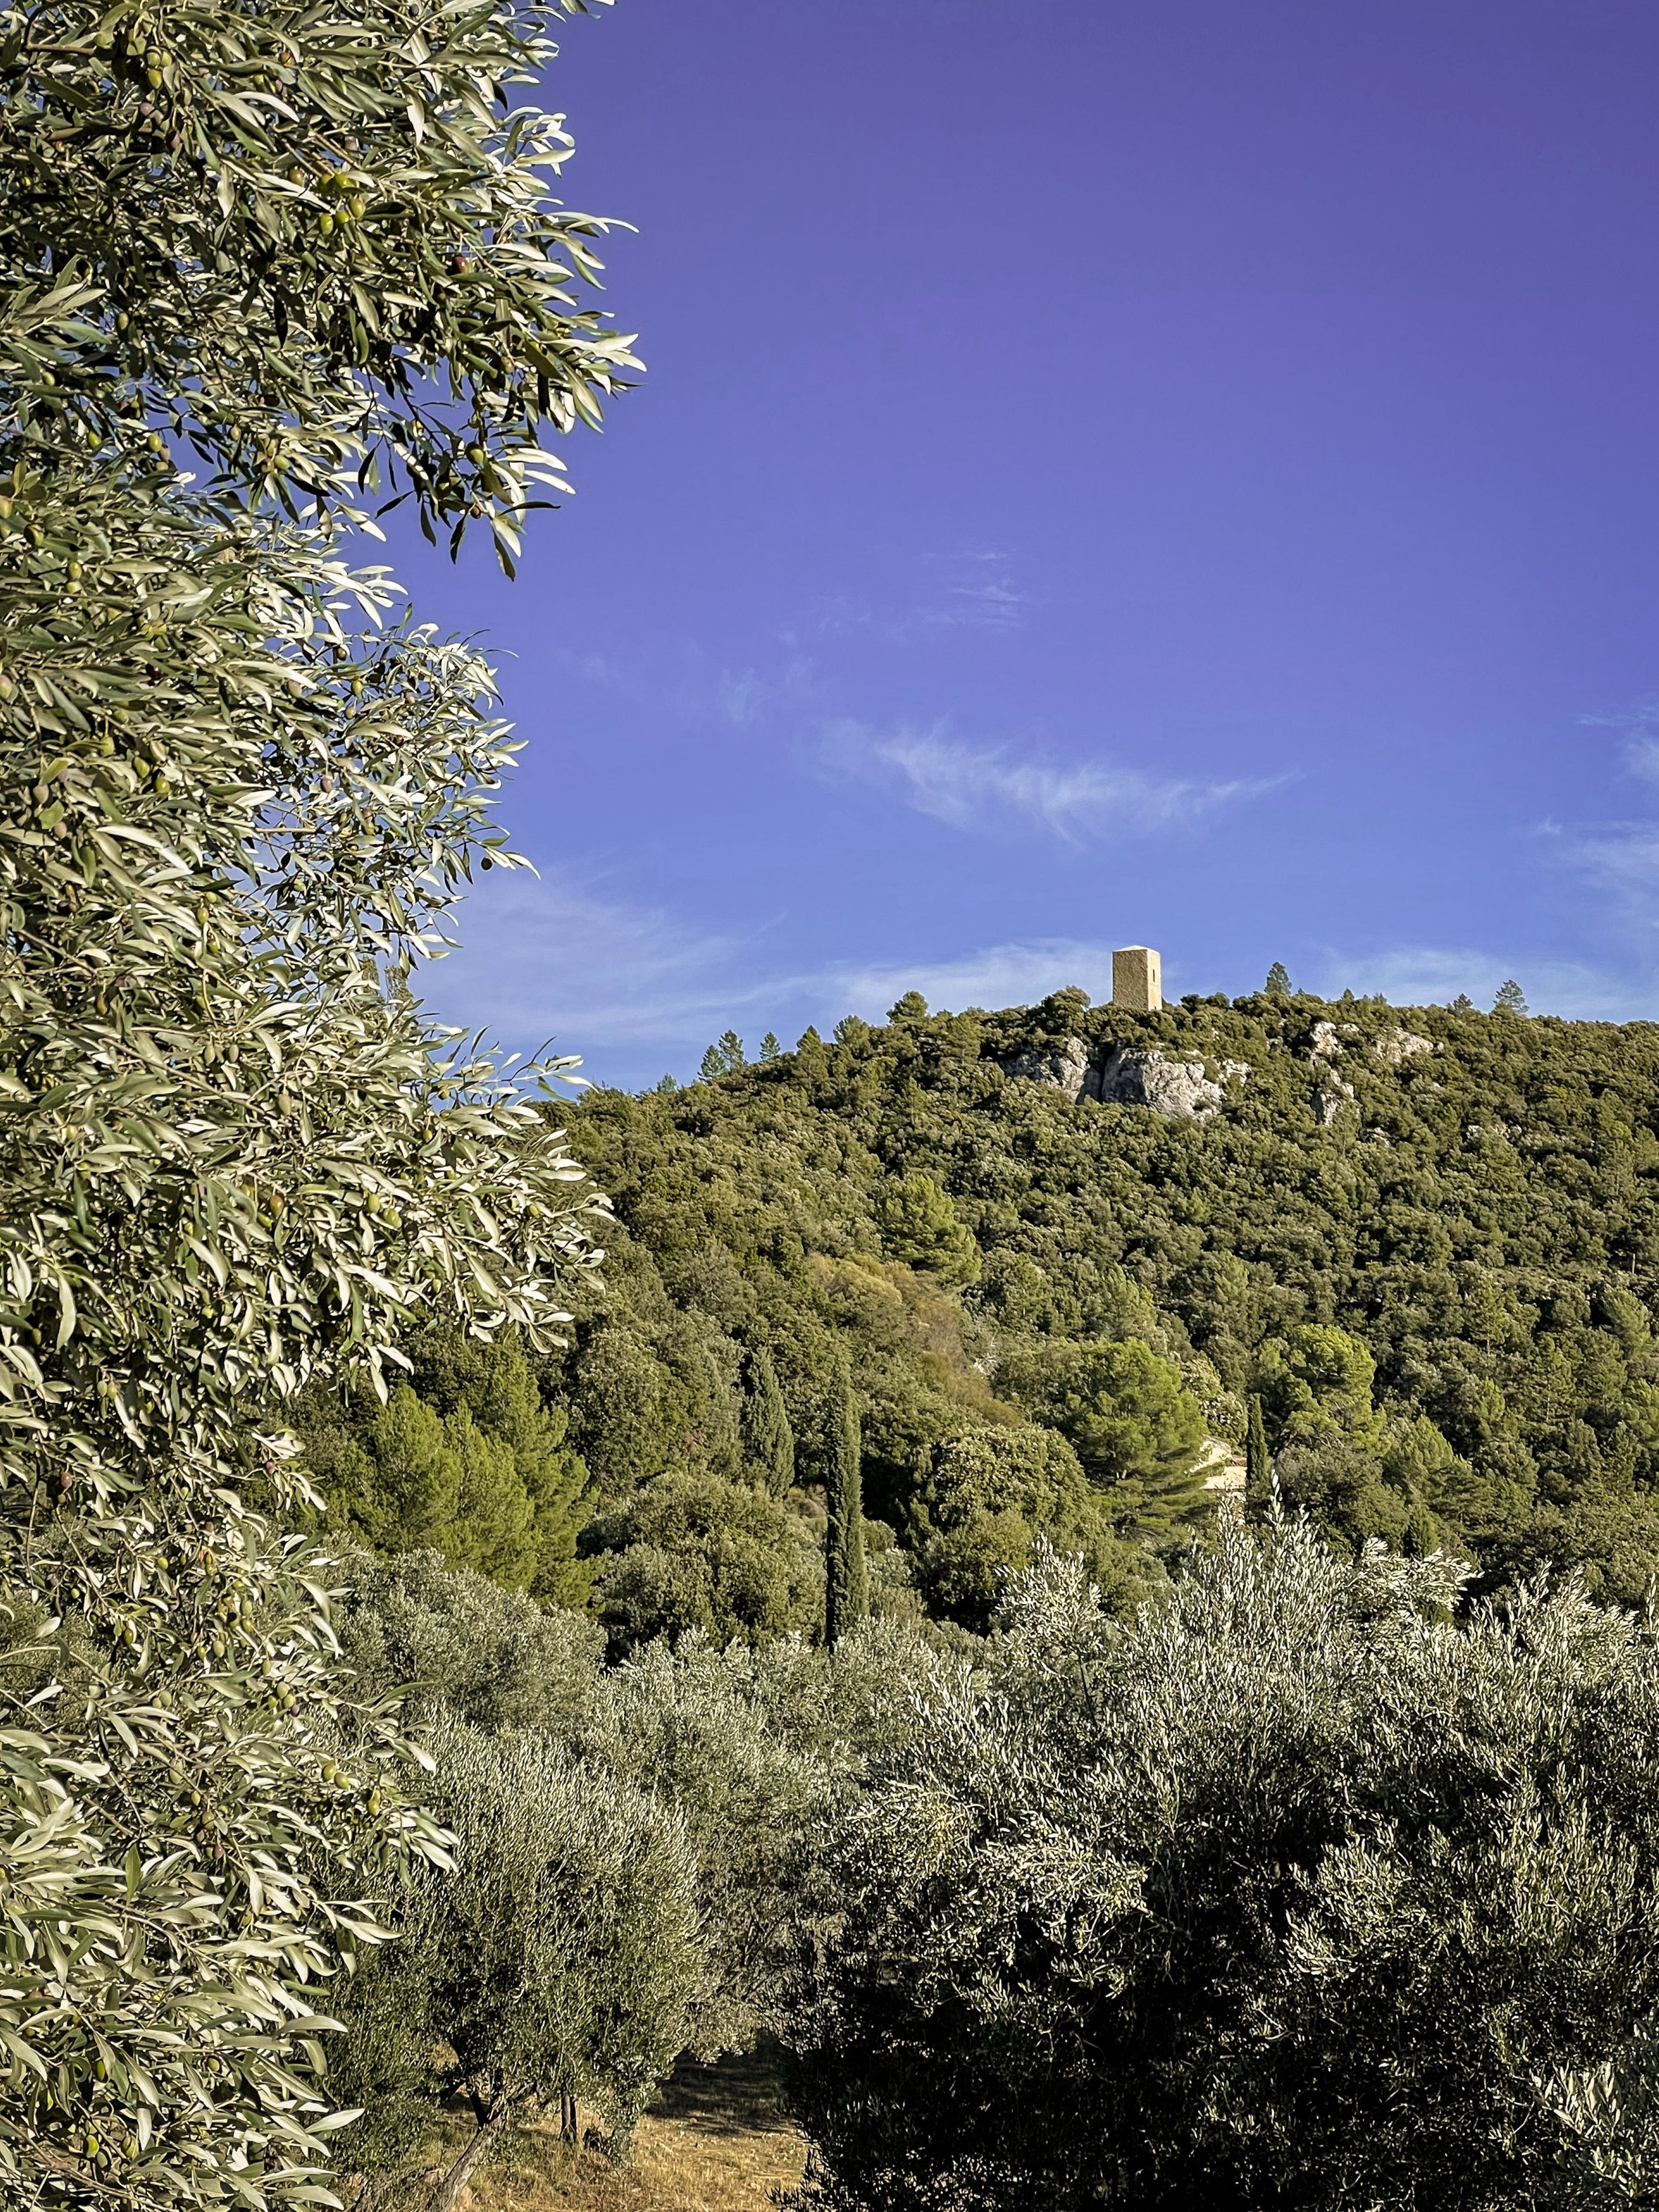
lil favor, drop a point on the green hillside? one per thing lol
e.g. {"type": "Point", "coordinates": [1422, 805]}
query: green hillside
{"type": "Point", "coordinates": [1427, 1240]}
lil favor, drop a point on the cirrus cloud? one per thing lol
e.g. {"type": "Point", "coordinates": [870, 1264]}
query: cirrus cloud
{"type": "Point", "coordinates": [976, 786]}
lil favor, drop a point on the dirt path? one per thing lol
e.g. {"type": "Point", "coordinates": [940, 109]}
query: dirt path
{"type": "Point", "coordinates": [718, 2141]}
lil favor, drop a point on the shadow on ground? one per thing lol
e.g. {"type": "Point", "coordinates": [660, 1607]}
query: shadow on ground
{"type": "Point", "coordinates": [740, 2094]}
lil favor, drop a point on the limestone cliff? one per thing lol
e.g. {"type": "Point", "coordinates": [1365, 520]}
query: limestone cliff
{"type": "Point", "coordinates": [1129, 1075]}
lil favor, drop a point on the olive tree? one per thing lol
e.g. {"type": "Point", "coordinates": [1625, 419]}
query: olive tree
{"type": "Point", "coordinates": [1298, 1891]}
{"type": "Point", "coordinates": [556, 1961]}
{"type": "Point", "coordinates": [302, 254]}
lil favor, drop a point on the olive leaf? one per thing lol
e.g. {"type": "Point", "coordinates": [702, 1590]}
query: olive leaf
{"type": "Point", "coordinates": [312, 252]}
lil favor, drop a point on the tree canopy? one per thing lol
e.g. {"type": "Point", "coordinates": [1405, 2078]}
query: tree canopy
{"type": "Point", "coordinates": [1441, 1296]}
{"type": "Point", "coordinates": [262, 265]}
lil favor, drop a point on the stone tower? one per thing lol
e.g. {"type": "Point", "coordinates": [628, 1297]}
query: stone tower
{"type": "Point", "coordinates": [1137, 979]}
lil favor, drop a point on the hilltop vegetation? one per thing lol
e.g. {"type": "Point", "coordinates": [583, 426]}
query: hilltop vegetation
{"type": "Point", "coordinates": [1426, 1241]}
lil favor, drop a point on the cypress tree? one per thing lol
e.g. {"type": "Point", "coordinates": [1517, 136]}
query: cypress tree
{"type": "Point", "coordinates": [1258, 1465]}
{"type": "Point", "coordinates": [847, 1591]}
{"type": "Point", "coordinates": [768, 1440]}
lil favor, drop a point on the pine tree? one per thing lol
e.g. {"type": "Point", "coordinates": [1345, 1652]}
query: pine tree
{"type": "Point", "coordinates": [811, 1057]}
{"type": "Point", "coordinates": [1277, 985]}
{"type": "Point", "coordinates": [1463, 1004]}
{"type": "Point", "coordinates": [768, 1440]}
{"type": "Point", "coordinates": [724, 1057]}
{"type": "Point", "coordinates": [847, 1592]}
{"type": "Point", "coordinates": [1509, 999]}
{"type": "Point", "coordinates": [770, 1049]}
{"type": "Point", "coordinates": [1258, 1463]}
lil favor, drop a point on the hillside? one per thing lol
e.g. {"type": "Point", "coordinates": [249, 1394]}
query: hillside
{"type": "Point", "coordinates": [1060, 1246]}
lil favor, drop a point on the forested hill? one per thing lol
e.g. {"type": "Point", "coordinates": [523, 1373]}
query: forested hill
{"type": "Point", "coordinates": [1060, 1248]}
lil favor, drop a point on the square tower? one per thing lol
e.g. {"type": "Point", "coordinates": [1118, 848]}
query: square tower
{"type": "Point", "coordinates": [1137, 979]}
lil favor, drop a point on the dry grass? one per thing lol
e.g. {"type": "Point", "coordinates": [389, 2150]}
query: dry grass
{"type": "Point", "coordinates": [718, 2142]}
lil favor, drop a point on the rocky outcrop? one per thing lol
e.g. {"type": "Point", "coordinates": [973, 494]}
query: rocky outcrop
{"type": "Point", "coordinates": [1402, 1044]}
{"type": "Point", "coordinates": [1330, 1095]}
{"type": "Point", "coordinates": [1131, 1075]}
{"type": "Point", "coordinates": [1062, 1067]}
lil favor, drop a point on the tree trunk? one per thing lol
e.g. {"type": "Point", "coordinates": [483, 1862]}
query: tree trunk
{"type": "Point", "coordinates": [570, 2125]}
{"type": "Point", "coordinates": [446, 2195]}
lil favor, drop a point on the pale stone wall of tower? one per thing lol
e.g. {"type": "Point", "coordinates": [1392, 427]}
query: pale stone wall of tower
{"type": "Point", "coordinates": [1137, 979]}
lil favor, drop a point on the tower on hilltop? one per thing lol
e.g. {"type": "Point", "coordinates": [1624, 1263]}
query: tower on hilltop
{"type": "Point", "coordinates": [1137, 979]}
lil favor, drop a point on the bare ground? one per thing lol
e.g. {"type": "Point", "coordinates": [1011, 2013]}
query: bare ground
{"type": "Point", "coordinates": [718, 2140]}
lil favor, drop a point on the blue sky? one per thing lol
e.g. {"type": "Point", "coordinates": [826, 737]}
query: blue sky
{"type": "Point", "coordinates": [1179, 472]}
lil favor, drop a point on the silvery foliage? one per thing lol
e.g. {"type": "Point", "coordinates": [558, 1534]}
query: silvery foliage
{"type": "Point", "coordinates": [1609, 2117]}
{"type": "Point", "coordinates": [1301, 1891]}
{"type": "Point", "coordinates": [557, 1960]}
{"type": "Point", "coordinates": [747, 1753]}
{"type": "Point", "coordinates": [758, 1749]}
{"type": "Point", "coordinates": [297, 249]}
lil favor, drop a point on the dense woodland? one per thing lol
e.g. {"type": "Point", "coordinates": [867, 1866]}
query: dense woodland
{"type": "Point", "coordinates": [1440, 1290]}
{"type": "Point", "coordinates": [1090, 1840]}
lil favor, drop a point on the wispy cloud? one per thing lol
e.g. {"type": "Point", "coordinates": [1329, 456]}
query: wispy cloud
{"type": "Point", "coordinates": [1433, 976]}
{"type": "Point", "coordinates": [556, 957]}
{"type": "Point", "coordinates": [1621, 857]}
{"type": "Point", "coordinates": [978, 589]}
{"type": "Point", "coordinates": [1013, 974]}
{"type": "Point", "coordinates": [980, 786]}
{"type": "Point", "coordinates": [631, 989]}
{"type": "Point", "coordinates": [748, 697]}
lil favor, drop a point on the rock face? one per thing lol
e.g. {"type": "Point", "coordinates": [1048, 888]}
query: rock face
{"type": "Point", "coordinates": [1132, 1075]}
{"type": "Point", "coordinates": [1058, 1068]}
{"type": "Point", "coordinates": [1177, 1088]}
{"type": "Point", "coordinates": [1325, 1047]}
{"type": "Point", "coordinates": [1327, 1043]}
{"type": "Point", "coordinates": [1330, 1095]}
